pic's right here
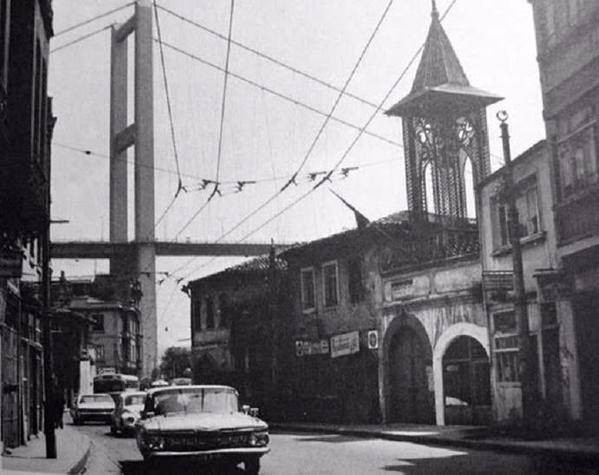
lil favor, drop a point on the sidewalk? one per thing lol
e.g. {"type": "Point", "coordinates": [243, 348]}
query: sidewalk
{"type": "Point", "coordinates": [480, 438]}
{"type": "Point", "coordinates": [72, 447]}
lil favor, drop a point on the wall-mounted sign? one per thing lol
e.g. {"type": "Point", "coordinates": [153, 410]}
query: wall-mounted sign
{"type": "Point", "coordinates": [309, 348]}
{"type": "Point", "coordinates": [345, 344]}
{"type": "Point", "coordinates": [373, 339]}
{"type": "Point", "coordinates": [502, 280]}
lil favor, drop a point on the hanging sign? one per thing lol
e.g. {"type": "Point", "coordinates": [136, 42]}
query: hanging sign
{"type": "Point", "coordinates": [373, 339]}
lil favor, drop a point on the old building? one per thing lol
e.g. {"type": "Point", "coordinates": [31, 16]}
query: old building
{"type": "Point", "coordinates": [567, 35]}
{"type": "Point", "coordinates": [236, 333]}
{"type": "Point", "coordinates": [26, 124]}
{"type": "Point", "coordinates": [114, 338]}
{"type": "Point", "coordinates": [335, 293]}
{"type": "Point", "coordinates": [551, 327]}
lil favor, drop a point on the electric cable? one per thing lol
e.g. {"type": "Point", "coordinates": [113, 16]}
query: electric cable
{"type": "Point", "coordinates": [180, 186]}
{"type": "Point", "coordinates": [319, 133]}
{"type": "Point", "coordinates": [267, 57]}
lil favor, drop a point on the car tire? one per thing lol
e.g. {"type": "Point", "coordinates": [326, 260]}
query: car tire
{"type": "Point", "coordinates": [252, 466]}
{"type": "Point", "coordinates": [76, 421]}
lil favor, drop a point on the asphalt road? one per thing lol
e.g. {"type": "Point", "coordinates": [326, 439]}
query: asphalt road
{"type": "Point", "coordinates": [313, 454]}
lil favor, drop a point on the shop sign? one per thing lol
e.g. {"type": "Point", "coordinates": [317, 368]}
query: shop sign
{"type": "Point", "coordinates": [11, 265]}
{"type": "Point", "coordinates": [309, 348]}
{"type": "Point", "coordinates": [498, 280]}
{"type": "Point", "coordinates": [345, 344]}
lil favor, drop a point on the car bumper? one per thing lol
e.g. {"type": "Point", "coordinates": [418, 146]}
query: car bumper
{"type": "Point", "coordinates": [217, 454]}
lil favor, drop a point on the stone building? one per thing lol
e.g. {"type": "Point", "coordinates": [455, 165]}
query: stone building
{"type": "Point", "coordinates": [26, 125]}
{"type": "Point", "coordinates": [567, 34]}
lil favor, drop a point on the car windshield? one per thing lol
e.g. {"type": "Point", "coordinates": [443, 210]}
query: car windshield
{"type": "Point", "coordinates": [134, 400]}
{"type": "Point", "coordinates": [196, 400]}
{"type": "Point", "coordinates": [95, 398]}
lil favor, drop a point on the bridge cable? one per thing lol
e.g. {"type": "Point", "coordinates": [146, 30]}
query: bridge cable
{"type": "Point", "coordinates": [90, 20]}
{"type": "Point", "coordinates": [81, 38]}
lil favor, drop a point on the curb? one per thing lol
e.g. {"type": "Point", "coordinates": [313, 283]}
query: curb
{"type": "Point", "coordinates": [81, 465]}
{"type": "Point", "coordinates": [507, 447]}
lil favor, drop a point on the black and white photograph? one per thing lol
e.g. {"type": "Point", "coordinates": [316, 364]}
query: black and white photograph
{"type": "Point", "coordinates": [299, 237]}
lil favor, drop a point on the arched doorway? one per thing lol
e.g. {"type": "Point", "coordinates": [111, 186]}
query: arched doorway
{"type": "Point", "coordinates": [409, 374]}
{"type": "Point", "coordinates": [466, 382]}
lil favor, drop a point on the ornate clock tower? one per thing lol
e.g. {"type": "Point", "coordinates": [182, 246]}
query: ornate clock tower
{"type": "Point", "coordinates": [444, 126]}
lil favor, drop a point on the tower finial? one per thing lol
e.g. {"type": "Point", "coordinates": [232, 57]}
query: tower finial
{"type": "Point", "coordinates": [435, 12]}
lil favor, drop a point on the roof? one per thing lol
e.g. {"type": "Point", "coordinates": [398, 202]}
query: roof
{"type": "Point", "coordinates": [257, 265]}
{"type": "Point", "coordinates": [440, 82]}
{"type": "Point", "coordinates": [528, 153]}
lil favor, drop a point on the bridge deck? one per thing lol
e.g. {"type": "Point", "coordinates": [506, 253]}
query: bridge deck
{"type": "Point", "coordinates": [105, 249]}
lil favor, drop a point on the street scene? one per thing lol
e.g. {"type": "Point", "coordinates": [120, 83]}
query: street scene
{"type": "Point", "coordinates": [270, 236]}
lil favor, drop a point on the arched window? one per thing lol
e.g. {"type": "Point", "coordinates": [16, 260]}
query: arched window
{"type": "Point", "coordinates": [428, 184]}
{"type": "Point", "coordinates": [469, 189]}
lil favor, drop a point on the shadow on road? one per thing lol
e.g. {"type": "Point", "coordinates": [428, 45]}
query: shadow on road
{"type": "Point", "coordinates": [139, 467]}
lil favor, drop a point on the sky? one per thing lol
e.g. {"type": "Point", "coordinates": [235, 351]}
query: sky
{"type": "Point", "coordinates": [266, 137]}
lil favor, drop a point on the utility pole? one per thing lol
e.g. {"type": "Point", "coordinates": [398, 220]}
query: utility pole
{"type": "Point", "coordinates": [49, 405]}
{"type": "Point", "coordinates": [524, 354]}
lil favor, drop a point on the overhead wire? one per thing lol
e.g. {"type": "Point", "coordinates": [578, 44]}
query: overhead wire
{"type": "Point", "coordinates": [266, 56]}
{"type": "Point", "coordinates": [280, 95]}
{"type": "Point", "coordinates": [216, 183]}
{"type": "Point", "coordinates": [319, 133]}
{"type": "Point", "coordinates": [343, 156]}
{"type": "Point", "coordinates": [180, 186]}
{"type": "Point", "coordinates": [90, 20]}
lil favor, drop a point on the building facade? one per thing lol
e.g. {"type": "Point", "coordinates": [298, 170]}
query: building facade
{"type": "Point", "coordinates": [568, 55]}
{"type": "Point", "coordinates": [552, 335]}
{"type": "Point", "coordinates": [26, 124]}
{"type": "Point", "coordinates": [236, 331]}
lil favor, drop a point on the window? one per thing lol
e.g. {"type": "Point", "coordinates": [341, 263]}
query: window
{"type": "Point", "coordinates": [577, 151]}
{"type": "Point", "coordinates": [98, 324]}
{"type": "Point", "coordinates": [223, 308]}
{"type": "Point", "coordinates": [196, 314]}
{"type": "Point", "coordinates": [356, 289]}
{"type": "Point", "coordinates": [209, 313]}
{"type": "Point", "coordinates": [307, 288]}
{"type": "Point", "coordinates": [329, 281]}
{"type": "Point", "coordinates": [100, 352]}
{"type": "Point", "coordinates": [506, 358]}
{"type": "Point", "coordinates": [528, 213]}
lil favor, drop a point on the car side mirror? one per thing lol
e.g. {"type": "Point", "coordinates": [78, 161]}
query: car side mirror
{"type": "Point", "coordinates": [254, 411]}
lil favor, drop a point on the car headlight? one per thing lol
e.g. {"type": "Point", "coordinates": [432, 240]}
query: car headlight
{"type": "Point", "coordinates": [154, 442]}
{"type": "Point", "coordinates": [259, 439]}
{"type": "Point", "coordinates": [128, 417]}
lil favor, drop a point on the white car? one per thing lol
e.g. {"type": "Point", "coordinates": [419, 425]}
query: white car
{"type": "Point", "coordinates": [201, 424]}
{"type": "Point", "coordinates": [92, 407]}
{"type": "Point", "coordinates": [127, 411]}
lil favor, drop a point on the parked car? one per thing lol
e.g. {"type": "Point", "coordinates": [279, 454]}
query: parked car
{"type": "Point", "coordinates": [201, 423]}
{"type": "Point", "coordinates": [181, 382]}
{"type": "Point", "coordinates": [128, 406]}
{"type": "Point", "coordinates": [92, 407]}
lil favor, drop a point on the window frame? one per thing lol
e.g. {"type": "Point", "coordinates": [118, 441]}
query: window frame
{"type": "Point", "coordinates": [312, 308]}
{"type": "Point", "coordinates": [326, 304]}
